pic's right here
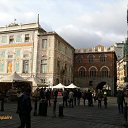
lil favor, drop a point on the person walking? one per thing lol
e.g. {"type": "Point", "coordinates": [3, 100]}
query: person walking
{"type": "Point", "coordinates": [75, 96]}
{"type": "Point", "coordinates": [120, 100]}
{"type": "Point", "coordinates": [84, 96]}
{"type": "Point", "coordinates": [54, 102]}
{"type": "Point", "coordinates": [90, 98]}
{"type": "Point", "coordinates": [99, 98]}
{"type": "Point", "coordinates": [65, 98]}
{"type": "Point", "coordinates": [24, 108]}
{"type": "Point", "coordinates": [78, 96]}
{"type": "Point", "coordinates": [71, 98]}
{"type": "Point", "coordinates": [105, 101]}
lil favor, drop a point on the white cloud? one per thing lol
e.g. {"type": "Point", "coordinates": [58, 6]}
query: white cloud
{"type": "Point", "coordinates": [83, 23]}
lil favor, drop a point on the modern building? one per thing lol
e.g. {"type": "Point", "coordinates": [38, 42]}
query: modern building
{"type": "Point", "coordinates": [34, 53]}
{"type": "Point", "coordinates": [95, 68]}
{"type": "Point", "coordinates": [119, 49]}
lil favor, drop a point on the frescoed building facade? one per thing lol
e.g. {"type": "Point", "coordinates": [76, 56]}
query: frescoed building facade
{"type": "Point", "coordinates": [32, 52]}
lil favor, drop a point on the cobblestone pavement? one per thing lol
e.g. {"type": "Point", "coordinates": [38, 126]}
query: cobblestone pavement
{"type": "Point", "coordinates": [77, 117]}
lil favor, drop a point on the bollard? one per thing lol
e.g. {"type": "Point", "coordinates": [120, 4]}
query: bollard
{"type": "Point", "coordinates": [2, 104]}
{"type": "Point", "coordinates": [35, 107]}
{"type": "Point", "coordinates": [61, 110]}
{"type": "Point", "coordinates": [44, 107]}
{"type": "Point", "coordinates": [40, 108]}
{"type": "Point", "coordinates": [54, 107]}
{"type": "Point", "coordinates": [125, 112]}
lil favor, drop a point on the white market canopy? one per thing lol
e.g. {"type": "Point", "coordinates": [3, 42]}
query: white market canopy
{"type": "Point", "coordinates": [59, 86]}
{"type": "Point", "coordinates": [14, 77]}
{"type": "Point", "coordinates": [72, 86]}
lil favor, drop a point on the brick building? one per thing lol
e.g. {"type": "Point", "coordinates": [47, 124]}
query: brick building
{"type": "Point", "coordinates": [94, 68]}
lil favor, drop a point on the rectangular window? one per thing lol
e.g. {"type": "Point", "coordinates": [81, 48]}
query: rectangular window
{"type": "Point", "coordinates": [43, 80]}
{"type": "Point", "coordinates": [17, 66]}
{"type": "Point", "coordinates": [18, 38]}
{"type": "Point", "coordinates": [11, 39]}
{"type": "Point", "coordinates": [2, 53]}
{"type": "Point", "coordinates": [10, 56]}
{"type": "Point", "coordinates": [44, 43]}
{"type": "Point", "coordinates": [27, 37]}
{"type": "Point", "coordinates": [18, 53]}
{"type": "Point", "coordinates": [25, 66]}
{"type": "Point", "coordinates": [4, 39]}
{"type": "Point", "coordinates": [1, 67]}
{"type": "Point", "coordinates": [43, 66]}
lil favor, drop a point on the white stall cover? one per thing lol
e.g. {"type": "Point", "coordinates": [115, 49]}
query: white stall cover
{"type": "Point", "coordinates": [72, 86]}
{"type": "Point", "coordinates": [14, 77]}
{"type": "Point", "coordinates": [59, 86]}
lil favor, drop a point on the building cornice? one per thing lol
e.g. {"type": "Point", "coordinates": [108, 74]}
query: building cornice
{"type": "Point", "coordinates": [16, 45]}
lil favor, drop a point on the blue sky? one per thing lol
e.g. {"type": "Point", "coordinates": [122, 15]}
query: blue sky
{"type": "Point", "coordinates": [82, 23]}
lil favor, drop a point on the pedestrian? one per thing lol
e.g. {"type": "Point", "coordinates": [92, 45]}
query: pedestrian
{"type": "Point", "coordinates": [90, 98]}
{"type": "Point", "coordinates": [105, 101]}
{"type": "Point", "coordinates": [54, 102]}
{"type": "Point", "coordinates": [65, 98]}
{"type": "Point", "coordinates": [48, 97]}
{"type": "Point", "coordinates": [84, 96]}
{"type": "Point", "coordinates": [99, 98]}
{"type": "Point", "coordinates": [24, 108]}
{"type": "Point", "coordinates": [120, 100]}
{"type": "Point", "coordinates": [35, 97]}
{"type": "Point", "coordinates": [75, 96]}
{"type": "Point", "coordinates": [71, 98]}
{"type": "Point", "coordinates": [78, 96]}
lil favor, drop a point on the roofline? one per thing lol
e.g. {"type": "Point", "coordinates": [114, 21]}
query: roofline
{"type": "Point", "coordinates": [38, 27]}
{"type": "Point", "coordinates": [54, 33]}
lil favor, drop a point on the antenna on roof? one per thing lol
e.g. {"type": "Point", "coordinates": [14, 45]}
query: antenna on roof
{"type": "Point", "coordinates": [14, 20]}
{"type": "Point", "coordinates": [38, 19]}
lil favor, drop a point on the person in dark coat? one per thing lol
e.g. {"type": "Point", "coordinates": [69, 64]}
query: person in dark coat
{"type": "Point", "coordinates": [120, 100]}
{"type": "Point", "coordinates": [105, 101]}
{"type": "Point", "coordinates": [90, 98]}
{"type": "Point", "coordinates": [78, 96]}
{"type": "Point", "coordinates": [24, 109]}
{"type": "Point", "coordinates": [84, 96]}
{"type": "Point", "coordinates": [99, 98]}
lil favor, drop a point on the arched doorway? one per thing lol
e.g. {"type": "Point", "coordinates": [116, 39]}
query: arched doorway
{"type": "Point", "coordinates": [100, 85]}
{"type": "Point", "coordinates": [57, 81]}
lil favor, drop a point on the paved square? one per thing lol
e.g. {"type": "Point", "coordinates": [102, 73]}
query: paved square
{"type": "Point", "coordinates": [77, 117]}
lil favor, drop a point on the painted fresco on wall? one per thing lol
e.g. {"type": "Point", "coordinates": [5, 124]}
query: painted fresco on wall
{"type": "Point", "coordinates": [9, 67]}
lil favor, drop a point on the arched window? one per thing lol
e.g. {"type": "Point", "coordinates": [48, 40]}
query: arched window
{"type": "Point", "coordinates": [104, 72]}
{"type": "Point", "coordinates": [93, 72]}
{"type": "Point", "coordinates": [82, 72]}
{"type": "Point", "coordinates": [79, 59]}
{"type": "Point", "coordinates": [102, 58]}
{"type": "Point", "coordinates": [90, 58]}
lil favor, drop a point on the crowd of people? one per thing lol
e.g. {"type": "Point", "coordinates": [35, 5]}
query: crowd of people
{"type": "Point", "coordinates": [73, 97]}
{"type": "Point", "coordinates": [70, 98]}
